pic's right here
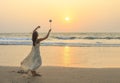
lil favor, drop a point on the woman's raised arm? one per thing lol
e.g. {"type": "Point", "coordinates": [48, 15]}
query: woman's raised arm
{"type": "Point", "coordinates": [41, 39]}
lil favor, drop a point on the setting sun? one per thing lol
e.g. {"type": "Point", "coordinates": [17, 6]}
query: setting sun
{"type": "Point", "coordinates": [67, 18]}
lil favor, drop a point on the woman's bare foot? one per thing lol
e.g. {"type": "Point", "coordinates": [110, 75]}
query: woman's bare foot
{"type": "Point", "coordinates": [35, 74]}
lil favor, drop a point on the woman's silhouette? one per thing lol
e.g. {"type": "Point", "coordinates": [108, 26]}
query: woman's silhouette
{"type": "Point", "coordinates": [33, 60]}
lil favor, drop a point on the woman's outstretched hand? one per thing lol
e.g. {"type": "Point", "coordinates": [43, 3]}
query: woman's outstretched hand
{"type": "Point", "coordinates": [38, 27]}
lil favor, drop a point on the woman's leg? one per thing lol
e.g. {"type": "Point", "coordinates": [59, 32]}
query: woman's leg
{"type": "Point", "coordinates": [33, 73]}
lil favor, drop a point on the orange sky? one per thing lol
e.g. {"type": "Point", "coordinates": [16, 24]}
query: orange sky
{"type": "Point", "coordinates": [84, 15]}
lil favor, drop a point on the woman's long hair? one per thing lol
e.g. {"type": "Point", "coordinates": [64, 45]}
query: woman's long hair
{"type": "Point", "coordinates": [34, 37]}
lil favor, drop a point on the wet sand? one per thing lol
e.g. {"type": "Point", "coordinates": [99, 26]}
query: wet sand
{"type": "Point", "coordinates": [85, 57]}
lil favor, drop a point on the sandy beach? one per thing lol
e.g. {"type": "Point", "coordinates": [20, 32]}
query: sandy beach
{"type": "Point", "coordinates": [62, 64]}
{"type": "Point", "coordinates": [62, 75]}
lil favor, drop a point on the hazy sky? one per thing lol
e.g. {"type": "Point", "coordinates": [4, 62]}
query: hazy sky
{"type": "Point", "coordinates": [80, 15]}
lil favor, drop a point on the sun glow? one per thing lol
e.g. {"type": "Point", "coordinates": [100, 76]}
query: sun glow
{"type": "Point", "coordinates": [67, 18]}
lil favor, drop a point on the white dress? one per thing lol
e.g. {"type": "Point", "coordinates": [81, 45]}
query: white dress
{"type": "Point", "coordinates": [33, 60]}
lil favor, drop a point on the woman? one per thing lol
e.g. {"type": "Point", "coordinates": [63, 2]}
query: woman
{"type": "Point", "coordinates": [33, 60]}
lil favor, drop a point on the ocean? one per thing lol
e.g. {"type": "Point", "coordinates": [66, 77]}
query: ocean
{"type": "Point", "coordinates": [88, 39]}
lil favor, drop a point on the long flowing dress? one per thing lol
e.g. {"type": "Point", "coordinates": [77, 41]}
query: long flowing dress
{"type": "Point", "coordinates": [33, 60]}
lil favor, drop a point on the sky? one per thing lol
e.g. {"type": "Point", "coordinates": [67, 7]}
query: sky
{"type": "Point", "coordinates": [66, 15]}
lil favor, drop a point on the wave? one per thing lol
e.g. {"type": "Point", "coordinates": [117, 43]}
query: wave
{"type": "Point", "coordinates": [101, 38]}
{"type": "Point", "coordinates": [65, 38]}
{"type": "Point", "coordinates": [2, 38]}
{"type": "Point", "coordinates": [89, 38]}
{"type": "Point", "coordinates": [96, 44]}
